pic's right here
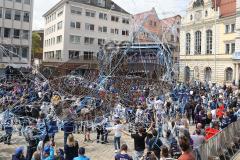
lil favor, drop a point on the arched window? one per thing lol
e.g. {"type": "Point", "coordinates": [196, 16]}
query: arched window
{"type": "Point", "coordinates": [186, 74]}
{"type": "Point", "coordinates": [208, 74]}
{"type": "Point", "coordinates": [198, 40]}
{"type": "Point", "coordinates": [229, 74]}
{"type": "Point", "coordinates": [209, 37]}
{"type": "Point", "coordinates": [188, 43]}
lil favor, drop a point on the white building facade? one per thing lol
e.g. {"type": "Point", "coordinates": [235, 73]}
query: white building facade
{"type": "Point", "coordinates": [15, 33]}
{"type": "Point", "coordinates": [207, 44]}
{"type": "Point", "coordinates": [75, 30]}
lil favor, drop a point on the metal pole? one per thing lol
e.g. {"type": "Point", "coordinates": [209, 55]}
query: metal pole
{"type": "Point", "coordinates": [215, 57]}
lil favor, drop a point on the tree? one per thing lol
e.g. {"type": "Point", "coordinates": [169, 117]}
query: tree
{"type": "Point", "coordinates": [36, 44]}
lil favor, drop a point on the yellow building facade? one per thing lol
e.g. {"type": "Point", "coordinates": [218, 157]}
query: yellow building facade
{"type": "Point", "coordinates": [207, 44]}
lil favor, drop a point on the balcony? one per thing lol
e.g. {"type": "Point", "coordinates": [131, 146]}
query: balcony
{"type": "Point", "coordinates": [236, 56]}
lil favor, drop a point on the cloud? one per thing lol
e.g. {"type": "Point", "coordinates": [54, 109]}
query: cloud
{"type": "Point", "coordinates": [41, 7]}
{"type": "Point", "coordinates": [164, 8]}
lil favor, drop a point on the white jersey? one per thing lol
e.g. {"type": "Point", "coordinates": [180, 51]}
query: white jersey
{"type": "Point", "coordinates": [139, 116]}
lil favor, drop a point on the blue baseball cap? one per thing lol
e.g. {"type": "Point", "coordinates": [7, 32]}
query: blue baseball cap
{"type": "Point", "coordinates": [19, 150]}
{"type": "Point", "coordinates": [47, 149]}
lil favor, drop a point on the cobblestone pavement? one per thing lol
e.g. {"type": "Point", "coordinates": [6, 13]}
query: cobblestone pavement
{"type": "Point", "coordinates": [95, 151]}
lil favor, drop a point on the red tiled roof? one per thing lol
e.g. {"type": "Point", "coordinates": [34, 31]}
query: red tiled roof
{"type": "Point", "coordinates": [169, 21]}
{"type": "Point", "coordinates": [227, 7]}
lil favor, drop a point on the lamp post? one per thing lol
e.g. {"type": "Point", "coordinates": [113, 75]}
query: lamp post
{"type": "Point", "coordinates": [215, 45]}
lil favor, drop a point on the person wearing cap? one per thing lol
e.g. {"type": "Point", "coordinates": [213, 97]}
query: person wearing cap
{"type": "Point", "coordinates": [19, 154]}
{"type": "Point", "coordinates": [48, 153]}
{"type": "Point", "coordinates": [81, 155]}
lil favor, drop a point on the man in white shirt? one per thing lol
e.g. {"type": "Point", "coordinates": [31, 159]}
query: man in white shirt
{"type": "Point", "coordinates": [117, 128]}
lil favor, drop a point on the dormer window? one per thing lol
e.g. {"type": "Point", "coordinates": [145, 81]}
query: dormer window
{"type": "Point", "coordinates": [101, 3]}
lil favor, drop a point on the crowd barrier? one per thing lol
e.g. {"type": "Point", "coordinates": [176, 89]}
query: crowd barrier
{"type": "Point", "coordinates": [223, 145]}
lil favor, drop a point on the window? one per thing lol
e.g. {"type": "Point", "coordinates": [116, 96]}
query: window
{"type": "Point", "coordinates": [155, 24]}
{"type": "Point", "coordinates": [229, 74]}
{"type": "Point", "coordinates": [198, 40]}
{"type": "Point", "coordinates": [232, 28]}
{"type": "Point", "coordinates": [58, 54]}
{"type": "Point", "coordinates": [75, 39]}
{"type": "Point", "coordinates": [206, 13]}
{"type": "Point", "coordinates": [188, 44]}
{"type": "Point", "coordinates": [26, 1]}
{"type": "Point", "coordinates": [19, 1]}
{"type": "Point", "coordinates": [59, 39]}
{"type": "Point", "coordinates": [227, 28]}
{"type": "Point", "coordinates": [90, 13]}
{"type": "Point", "coordinates": [101, 42]}
{"type": "Point", "coordinates": [17, 16]}
{"type": "Point", "coordinates": [16, 51]}
{"type": "Point", "coordinates": [89, 27]}
{"type": "Point", "coordinates": [227, 48]}
{"type": "Point", "coordinates": [8, 14]}
{"type": "Point", "coordinates": [1, 12]}
{"type": "Point", "coordinates": [114, 18]}
{"type": "Point", "coordinates": [172, 38]}
{"type": "Point", "coordinates": [114, 31]}
{"type": "Point", "coordinates": [49, 55]}
{"type": "Point", "coordinates": [150, 23]}
{"type": "Point", "coordinates": [103, 16]}
{"type": "Point", "coordinates": [60, 13]}
{"type": "Point", "coordinates": [233, 47]}
{"type": "Point", "coordinates": [0, 32]}
{"type": "Point", "coordinates": [26, 16]}
{"type": "Point", "coordinates": [88, 55]}
{"type": "Point", "coordinates": [7, 32]}
{"type": "Point", "coordinates": [72, 24]}
{"type": "Point", "coordinates": [102, 29]}
{"type": "Point", "coordinates": [101, 3]}
{"type": "Point", "coordinates": [78, 25]}
{"type": "Point", "coordinates": [76, 10]}
{"type": "Point", "coordinates": [125, 21]}
{"type": "Point", "coordinates": [25, 51]}
{"type": "Point", "coordinates": [125, 32]}
{"type": "Point", "coordinates": [59, 25]}
{"type": "Point", "coordinates": [16, 33]}
{"type": "Point", "coordinates": [209, 41]}
{"type": "Point", "coordinates": [208, 74]}
{"type": "Point", "coordinates": [25, 34]}
{"type": "Point", "coordinates": [191, 17]}
{"type": "Point", "coordinates": [88, 40]}
{"type": "Point", "coordinates": [74, 54]}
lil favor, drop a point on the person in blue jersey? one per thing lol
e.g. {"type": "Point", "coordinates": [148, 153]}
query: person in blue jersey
{"type": "Point", "coordinates": [123, 155]}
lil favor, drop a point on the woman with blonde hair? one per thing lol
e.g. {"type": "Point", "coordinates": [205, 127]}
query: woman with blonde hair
{"type": "Point", "coordinates": [71, 148]}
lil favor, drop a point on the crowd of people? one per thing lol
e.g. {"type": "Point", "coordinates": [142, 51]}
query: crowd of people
{"type": "Point", "coordinates": [158, 124]}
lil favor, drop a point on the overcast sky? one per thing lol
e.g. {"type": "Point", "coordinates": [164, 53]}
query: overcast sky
{"type": "Point", "coordinates": [165, 8]}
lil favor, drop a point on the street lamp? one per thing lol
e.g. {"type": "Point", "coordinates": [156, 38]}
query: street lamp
{"type": "Point", "coordinates": [215, 57]}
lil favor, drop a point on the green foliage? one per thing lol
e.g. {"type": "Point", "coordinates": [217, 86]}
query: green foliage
{"type": "Point", "coordinates": [36, 44]}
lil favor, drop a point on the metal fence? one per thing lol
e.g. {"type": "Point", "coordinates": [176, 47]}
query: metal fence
{"type": "Point", "coordinates": [223, 145]}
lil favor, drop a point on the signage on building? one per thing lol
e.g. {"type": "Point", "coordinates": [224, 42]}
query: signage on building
{"type": "Point", "coordinates": [236, 56]}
